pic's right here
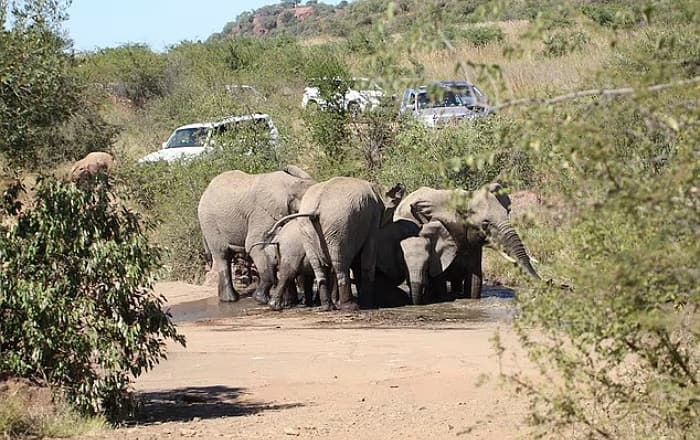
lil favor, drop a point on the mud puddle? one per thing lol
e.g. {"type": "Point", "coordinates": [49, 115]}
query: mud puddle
{"type": "Point", "coordinates": [496, 305]}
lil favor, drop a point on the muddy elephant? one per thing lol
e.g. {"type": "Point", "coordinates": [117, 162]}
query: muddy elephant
{"type": "Point", "coordinates": [235, 212]}
{"type": "Point", "coordinates": [337, 224]}
{"type": "Point", "coordinates": [92, 164]}
{"type": "Point", "coordinates": [458, 237]}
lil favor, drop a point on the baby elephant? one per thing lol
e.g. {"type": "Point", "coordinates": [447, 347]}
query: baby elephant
{"type": "Point", "coordinates": [337, 225]}
{"type": "Point", "coordinates": [91, 165]}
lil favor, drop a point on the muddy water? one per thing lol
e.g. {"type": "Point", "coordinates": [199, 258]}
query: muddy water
{"type": "Point", "coordinates": [496, 305]}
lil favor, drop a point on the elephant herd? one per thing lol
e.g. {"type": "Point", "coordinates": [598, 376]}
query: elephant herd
{"type": "Point", "coordinates": [294, 228]}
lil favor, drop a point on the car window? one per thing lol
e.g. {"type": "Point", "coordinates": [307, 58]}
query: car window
{"type": "Point", "coordinates": [188, 137]}
{"type": "Point", "coordinates": [441, 99]}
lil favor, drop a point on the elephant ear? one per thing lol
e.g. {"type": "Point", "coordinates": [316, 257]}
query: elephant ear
{"type": "Point", "coordinates": [443, 247]}
{"type": "Point", "coordinates": [395, 195]}
{"type": "Point", "coordinates": [422, 211]}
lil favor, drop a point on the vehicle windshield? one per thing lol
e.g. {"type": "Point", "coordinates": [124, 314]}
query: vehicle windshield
{"type": "Point", "coordinates": [188, 137]}
{"type": "Point", "coordinates": [433, 100]}
{"type": "Point", "coordinates": [467, 95]}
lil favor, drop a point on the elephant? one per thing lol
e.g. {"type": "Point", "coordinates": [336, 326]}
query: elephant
{"type": "Point", "coordinates": [235, 212]}
{"type": "Point", "coordinates": [337, 222]}
{"type": "Point", "coordinates": [417, 253]}
{"type": "Point", "coordinates": [285, 253]}
{"type": "Point", "coordinates": [458, 238]}
{"type": "Point", "coordinates": [92, 164]}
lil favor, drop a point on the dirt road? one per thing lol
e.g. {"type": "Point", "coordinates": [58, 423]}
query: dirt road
{"type": "Point", "coordinates": [409, 373]}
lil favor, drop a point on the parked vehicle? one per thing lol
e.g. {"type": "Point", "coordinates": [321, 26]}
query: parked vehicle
{"type": "Point", "coordinates": [192, 140]}
{"type": "Point", "coordinates": [445, 102]}
{"type": "Point", "coordinates": [360, 96]}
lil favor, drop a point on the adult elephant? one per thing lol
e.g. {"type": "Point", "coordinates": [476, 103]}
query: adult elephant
{"type": "Point", "coordinates": [235, 212]}
{"type": "Point", "coordinates": [458, 237]}
{"type": "Point", "coordinates": [337, 223]}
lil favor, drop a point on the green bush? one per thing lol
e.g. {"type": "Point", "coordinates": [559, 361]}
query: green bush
{"type": "Point", "coordinates": [563, 42]}
{"type": "Point", "coordinates": [476, 35]}
{"type": "Point", "coordinates": [135, 68]}
{"type": "Point", "coordinates": [467, 155]}
{"type": "Point", "coordinates": [42, 99]}
{"type": "Point", "coordinates": [76, 302]}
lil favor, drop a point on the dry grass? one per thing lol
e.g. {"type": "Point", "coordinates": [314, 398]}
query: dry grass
{"type": "Point", "coordinates": [27, 411]}
{"type": "Point", "coordinates": [525, 73]}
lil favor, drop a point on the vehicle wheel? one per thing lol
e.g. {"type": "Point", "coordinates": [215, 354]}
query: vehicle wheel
{"type": "Point", "coordinates": [354, 109]}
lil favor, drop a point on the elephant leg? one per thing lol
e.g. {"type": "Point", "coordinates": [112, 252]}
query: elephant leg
{"type": "Point", "coordinates": [456, 287]}
{"type": "Point", "coordinates": [346, 300]}
{"type": "Point", "coordinates": [333, 288]}
{"type": "Point", "coordinates": [368, 260]}
{"type": "Point", "coordinates": [262, 292]}
{"type": "Point", "coordinates": [475, 275]}
{"type": "Point", "coordinates": [291, 295]}
{"type": "Point", "coordinates": [438, 289]}
{"type": "Point", "coordinates": [323, 279]}
{"type": "Point", "coordinates": [226, 291]}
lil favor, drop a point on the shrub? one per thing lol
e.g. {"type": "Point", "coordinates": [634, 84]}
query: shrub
{"type": "Point", "coordinates": [41, 97]}
{"type": "Point", "coordinates": [561, 43]}
{"type": "Point", "coordinates": [467, 155]}
{"type": "Point", "coordinates": [478, 35]}
{"type": "Point", "coordinates": [75, 295]}
{"type": "Point", "coordinates": [29, 411]}
{"type": "Point", "coordinates": [138, 72]}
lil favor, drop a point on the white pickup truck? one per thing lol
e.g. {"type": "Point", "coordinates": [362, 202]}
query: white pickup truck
{"type": "Point", "coordinates": [360, 96]}
{"type": "Point", "coordinates": [192, 140]}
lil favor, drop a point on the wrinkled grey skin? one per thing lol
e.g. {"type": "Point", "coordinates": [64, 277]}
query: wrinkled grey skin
{"type": "Point", "coordinates": [485, 220]}
{"type": "Point", "coordinates": [235, 212]}
{"type": "Point", "coordinates": [285, 253]}
{"type": "Point", "coordinates": [338, 221]}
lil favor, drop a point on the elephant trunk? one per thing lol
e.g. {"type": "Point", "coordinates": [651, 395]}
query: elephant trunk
{"type": "Point", "coordinates": [417, 293]}
{"type": "Point", "coordinates": [513, 245]}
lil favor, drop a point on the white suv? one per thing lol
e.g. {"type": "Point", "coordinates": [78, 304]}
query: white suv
{"type": "Point", "coordinates": [361, 96]}
{"type": "Point", "coordinates": [193, 140]}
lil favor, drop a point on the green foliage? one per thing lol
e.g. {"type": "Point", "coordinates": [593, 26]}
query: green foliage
{"type": "Point", "coordinates": [76, 303]}
{"type": "Point", "coordinates": [563, 42]}
{"type": "Point", "coordinates": [41, 99]}
{"type": "Point", "coordinates": [609, 14]}
{"type": "Point", "coordinates": [466, 156]}
{"type": "Point", "coordinates": [476, 35]}
{"type": "Point", "coordinates": [131, 71]}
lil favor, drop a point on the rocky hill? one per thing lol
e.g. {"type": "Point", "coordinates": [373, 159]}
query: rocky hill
{"type": "Point", "coordinates": [347, 18]}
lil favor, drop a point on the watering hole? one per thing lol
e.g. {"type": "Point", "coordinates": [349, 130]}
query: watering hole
{"type": "Point", "coordinates": [496, 304]}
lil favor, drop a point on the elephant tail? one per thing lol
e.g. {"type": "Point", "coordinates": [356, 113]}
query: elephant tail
{"type": "Point", "coordinates": [311, 228]}
{"type": "Point", "coordinates": [281, 222]}
{"type": "Point", "coordinates": [207, 253]}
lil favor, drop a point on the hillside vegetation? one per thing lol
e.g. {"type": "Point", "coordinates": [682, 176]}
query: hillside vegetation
{"type": "Point", "coordinates": [615, 170]}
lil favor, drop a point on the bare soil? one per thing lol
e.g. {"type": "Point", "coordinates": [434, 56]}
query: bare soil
{"type": "Point", "coordinates": [405, 373]}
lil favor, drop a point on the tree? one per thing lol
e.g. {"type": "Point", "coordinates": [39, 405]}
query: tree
{"type": "Point", "coordinates": [76, 302]}
{"type": "Point", "coordinates": [40, 94]}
